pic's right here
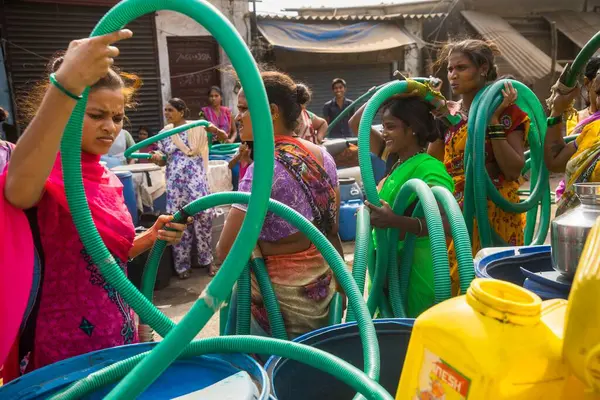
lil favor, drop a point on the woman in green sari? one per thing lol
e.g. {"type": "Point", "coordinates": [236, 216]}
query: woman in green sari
{"type": "Point", "coordinates": [408, 127]}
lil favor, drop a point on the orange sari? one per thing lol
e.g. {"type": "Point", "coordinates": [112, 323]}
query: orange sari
{"type": "Point", "coordinates": [509, 226]}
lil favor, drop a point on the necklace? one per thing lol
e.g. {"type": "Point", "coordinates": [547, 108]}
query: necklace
{"type": "Point", "coordinates": [400, 161]}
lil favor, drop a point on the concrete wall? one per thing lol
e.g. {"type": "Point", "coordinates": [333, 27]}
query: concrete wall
{"type": "Point", "coordinates": [413, 60]}
{"type": "Point", "coordinates": [170, 23]}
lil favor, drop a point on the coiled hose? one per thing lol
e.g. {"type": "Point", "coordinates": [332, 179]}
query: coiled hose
{"type": "Point", "coordinates": [131, 152]}
{"type": "Point", "coordinates": [217, 291]}
{"type": "Point", "coordinates": [177, 338]}
{"type": "Point", "coordinates": [479, 186]}
{"type": "Point", "coordinates": [244, 295]}
{"type": "Point", "coordinates": [238, 344]}
{"type": "Point", "coordinates": [361, 253]}
{"type": "Point", "coordinates": [386, 254]}
{"type": "Point", "coordinates": [269, 298]}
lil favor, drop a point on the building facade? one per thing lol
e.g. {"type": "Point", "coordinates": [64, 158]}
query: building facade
{"type": "Point", "coordinates": [172, 54]}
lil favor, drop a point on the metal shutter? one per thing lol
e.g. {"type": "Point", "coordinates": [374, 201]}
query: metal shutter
{"type": "Point", "coordinates": [187, 55]}
{"type": "Point", "coordinates": [43, 29]}
{"type": "Point", "coordinates": [359, 79]}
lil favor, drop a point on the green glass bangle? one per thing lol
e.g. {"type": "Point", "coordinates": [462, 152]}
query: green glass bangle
{"type": "Point", "coordinates": [551, 121]}
{"type": "Point", "coordinates": [60, 87]}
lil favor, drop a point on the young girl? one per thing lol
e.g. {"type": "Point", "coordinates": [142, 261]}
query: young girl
{"type": "Point", "coordinates": [244, 159]}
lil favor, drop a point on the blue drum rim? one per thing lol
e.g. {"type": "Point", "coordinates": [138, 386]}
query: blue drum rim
{"type": "Point", "coordinates": [239, 361]}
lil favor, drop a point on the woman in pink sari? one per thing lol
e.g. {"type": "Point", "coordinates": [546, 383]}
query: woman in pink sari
{"type": "Point", "coordinates": [219, 115]}
{"type": "Point", "coordinates": [76, 310]}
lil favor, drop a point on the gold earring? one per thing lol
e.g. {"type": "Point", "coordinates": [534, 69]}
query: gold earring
{"type": "Point", "coordinates": [275, 117]}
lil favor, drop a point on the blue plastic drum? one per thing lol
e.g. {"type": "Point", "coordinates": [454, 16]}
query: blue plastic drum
{"type": "Point", "coordinates": [181, 378]}
{"type": "Point", "coordinates": [126, 179]}
{"type": "Point", "coordinates": [348, 212]}
{"type": "Point", "coordinates": [529, 267]}
{"type": "Point", "coordinates": [291, 380]}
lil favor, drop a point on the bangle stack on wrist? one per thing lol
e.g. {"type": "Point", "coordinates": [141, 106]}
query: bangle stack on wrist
{"type": "Point", "coordinates": [496, 132]}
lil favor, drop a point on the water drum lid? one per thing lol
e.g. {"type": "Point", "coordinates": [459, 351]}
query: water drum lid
{"type": "Point", "coordinates": [346, 181]}
{"type": "Point", "coordinates": [123, 174]}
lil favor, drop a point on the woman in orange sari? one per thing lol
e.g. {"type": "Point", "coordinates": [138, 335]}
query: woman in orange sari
{"type": "Point", "coordinates": [470, 68]}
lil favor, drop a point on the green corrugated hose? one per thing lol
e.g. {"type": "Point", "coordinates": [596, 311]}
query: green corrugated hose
{"type": "Point", "coordinates": [152, 365]}
{"type": "Point", "coordinates": [482, 186]}
{"type": "Point", "coordinates": [219, 288]}
{"type": "Point", "coordinates": [386, 255]}
{"type": "Point", "coordinates": [361, 253]}
{"type": "Point", "coordinates": [182, 334]}
{"type": "Point", "coordinates": [462, 242]}
{"type": "Point", "coordinates": [238, 344]}
{"type": "Point", "coordinates": [336, 309]}
{"type": "Point", "coordinates": [131, 152]}
{"type": "Point", "coordinates": [581, 60]}
{"type": "Point", "coordinates": [439, 252]}
{"type": "Point", "coordinates": [244, 295]}
{"type": "Point", "coordinates": [269, 299]}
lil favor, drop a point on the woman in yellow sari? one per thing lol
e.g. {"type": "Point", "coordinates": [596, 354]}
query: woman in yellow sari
{"type": "Point", "coordinates": [470, 68]}
{"type": "Point", "coordinates": [579, 160]}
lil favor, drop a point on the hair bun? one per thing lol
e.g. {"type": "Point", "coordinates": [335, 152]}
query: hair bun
{"type": "Point", "coordinates": [303, 94]}
{"type": "Point", "coordinates": [493, 73]}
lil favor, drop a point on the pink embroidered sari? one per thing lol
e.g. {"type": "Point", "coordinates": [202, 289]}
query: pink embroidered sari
{"type": "Point", "coordinates": [77, 311]}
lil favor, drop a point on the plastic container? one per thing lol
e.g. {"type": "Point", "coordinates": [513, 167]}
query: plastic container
{"type": "Point", "coordinates": [219, 176]}
{"type": "Point", "coordinates": [126, 179]}
{"type": "Point", "coordinates": [153, 180]}
{"type": "Point", "coordinates": [509, 265]}
{"type": "Point", "coordinates": [349, 190]}
{"type": "Point", "coordinates": [352, 172]}
{"type": "Point", "coordinates": [181, 378]}
{"type": "Point", "coordinates": [498, 342]}
{"type": "Point", "coordinates": [291, 380]}
{"type": "Point", "coordinates": [160, 204]}
{"type": "Point", "coordinates": [348, 212]}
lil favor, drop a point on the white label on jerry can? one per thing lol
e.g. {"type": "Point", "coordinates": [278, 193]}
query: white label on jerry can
{"type": "Point", "coordinates": [438, 380]}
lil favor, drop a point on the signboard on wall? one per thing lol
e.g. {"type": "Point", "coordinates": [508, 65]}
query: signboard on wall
{"type": "Point", "coordinates": [193, 62]}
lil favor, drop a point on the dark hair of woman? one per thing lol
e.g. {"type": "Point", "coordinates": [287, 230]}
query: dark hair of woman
{"type": "Point", "coordinates": [592, 67]}
{"type": "Point", "coordinates": [283, 92]}
{"type": "Point", "coordinates": [304, 94]}
{"type": "Point", "coordinates": [480, 53]}
{"type": "Point", "coordinates": [179, 105]}
{"type": "Point", "coordinates": [30, 100]}
{"type": "Point", "coordinates": [416, 114]}
{"type": "Point", "coordinates": [215, 89]}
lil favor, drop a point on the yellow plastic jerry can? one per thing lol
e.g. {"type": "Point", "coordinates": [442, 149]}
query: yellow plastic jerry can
{"type": "Point", "coordinates": [499, 341]}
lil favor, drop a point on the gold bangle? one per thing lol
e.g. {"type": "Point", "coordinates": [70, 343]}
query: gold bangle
{"type": "Point", "coordinates": [420, 226]}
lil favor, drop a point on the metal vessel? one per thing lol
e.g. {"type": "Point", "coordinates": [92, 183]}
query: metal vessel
{"type": "Point", "coordinates": [570, 230]}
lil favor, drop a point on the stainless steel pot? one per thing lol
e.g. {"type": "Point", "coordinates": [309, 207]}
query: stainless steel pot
{"type": "Point", "coordinates": [570, 230]}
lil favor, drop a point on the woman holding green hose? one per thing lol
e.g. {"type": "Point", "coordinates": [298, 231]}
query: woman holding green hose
{"type": "Point", "coordinates": [76, 311]}
{"type": "Point", "coordinates": [471, 66]}
{"type": "Point", "coordinates": [408, 127]}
